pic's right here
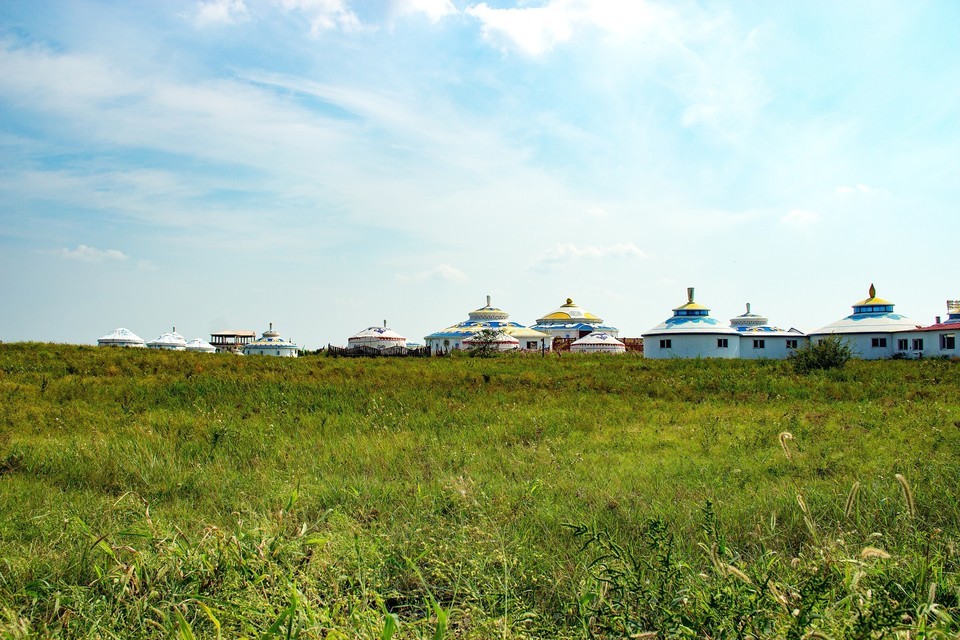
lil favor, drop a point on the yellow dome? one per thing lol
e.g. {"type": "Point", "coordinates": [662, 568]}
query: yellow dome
{"type": "Point", "coordinates": [872, 300]}
{"type": "Point", "coordinates": [570, 311]}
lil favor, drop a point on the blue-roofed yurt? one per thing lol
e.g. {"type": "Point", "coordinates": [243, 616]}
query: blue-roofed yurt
{"type": "Point", "coordinates": [691, 333]}
{"type": "Point", "coordinates": [760, 339]}
{"type": "Point", "coordinates": [271, 343]}
{"type": "Point", "coordinates": [874, 330]}
{"type": "Point", "coordinates": [487, 317]}
{"type": "Point", "coordinates": [572, 321]}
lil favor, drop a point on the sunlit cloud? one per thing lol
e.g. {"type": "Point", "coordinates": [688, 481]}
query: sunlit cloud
{"type": "Point", "coordinates": [444, 272]}
{"type": "Point", "coordinates": [213, 12]}
{"type": "Point", "coordinates": [854, 189]}
{"type": "Point", "coordinates": [565, 252]}
{"type": "Point", "coordinates": [435, 10]}
{"type": "Point", "coordinates": [538, 30]}
{"type": "Point", "coordinates": [325, 15]}
{"type": "Point", "coordinates": [800, 219]}
{"type": "Point", "coordinates": [83, 253]}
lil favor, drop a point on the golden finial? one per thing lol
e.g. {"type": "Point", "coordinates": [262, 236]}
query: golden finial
{"type": "Point", "coordinates": [873, 291]}
{"type": "Point", "coordinates": [569, 300]}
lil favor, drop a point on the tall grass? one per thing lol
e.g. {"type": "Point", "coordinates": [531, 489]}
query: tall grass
{"type": "Point", "coordinates": [186, 495]}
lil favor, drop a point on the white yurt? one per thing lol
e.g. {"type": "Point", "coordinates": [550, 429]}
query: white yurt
{"type": "Point", "coordinates": [759, 339]}
{"type": "Point", "coordinates": [121, 338]}
{"type": "Point", "coordinates": [572, 321]}
{"type": "Point", "coordinates": [691, 333]}
{"type": "Point", "coordinates": [271, 343]}
{"type": "Point", "coordinates": [499, 342]}
{"type": "Point", "coordinates": [201, 346]}
{"type": "Point", "coordinates": [487, 318]}
{"type": "Point", "coordinates": [598, 342]}
{"type": "Point", "coordinates": [874, 330]}
{"type": "Point", "coordinates": [377, 337]}
{"type": "Point", "coordinates": [172, 341]}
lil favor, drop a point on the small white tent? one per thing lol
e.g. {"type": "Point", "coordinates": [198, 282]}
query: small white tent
{"type": "Point", "coordinates": [598, 342]}
{"type": "Point", "coordinates": [121, 338]}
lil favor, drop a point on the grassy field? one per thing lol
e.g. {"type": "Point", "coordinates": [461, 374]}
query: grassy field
{"type": "Point", "coordinates": [160, 494]}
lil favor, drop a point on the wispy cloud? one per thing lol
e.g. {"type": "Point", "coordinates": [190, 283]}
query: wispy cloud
{"type": "Point", "coordinates": [443, 272]}
{"type": "Point", "coordinates": [325, 15]}
{"type": "Point", "coordinates": [538, 30]}
{"type": "Point", "coordinates": [83, 253]}
{"type": "Point", "coordinates": [854, 189]}
{"type": "Point", "coordinates": [214, 12]}
{"type": "Point", "coordinates": [435, 10]}
{"type": "Point", "coordinates": [564, 252]}
{"type": "Point", "coordinates": [800, 219]}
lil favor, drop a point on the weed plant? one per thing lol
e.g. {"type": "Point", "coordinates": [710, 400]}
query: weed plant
{"type": "Point", "coordinates": [163, 494]}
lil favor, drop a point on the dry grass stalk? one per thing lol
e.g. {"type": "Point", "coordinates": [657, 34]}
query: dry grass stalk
{"type": "Point", "coordinates": [907, 495]}
{"type": "Point", "coordinates": [784, 438]}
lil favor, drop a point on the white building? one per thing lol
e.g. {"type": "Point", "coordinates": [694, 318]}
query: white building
{"type": "Point", "coordinates": [121, 338]}
{"type": "Point", "coordinates": [271, 344]}
{"type": "Point", "coordinates": [171, 341]}
{"type": "Point", "coordinates": [939, 340]}
{"type": "Point", "coordinates": [488, 317]}
{"type": "Point", "coordinates": [572, 321]}
{"type": "Point", "coordinates": [758, 339]}
{"type": "Point", "coordinates": [691, 333]}
{"type": "Point", "coordinates": [598, 342]}
{"type": "Point", "coordinates": [377, 337]}
{"type": "Point", "coordinates": [874, 331]}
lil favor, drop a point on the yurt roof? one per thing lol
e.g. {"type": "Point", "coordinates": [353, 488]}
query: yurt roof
{"type": "Point", "coordinates": [271, 338]}
{"type": "Point", "coordinates": [121, 335]}
{"type": "Point", "coordinates": [872, 299]}
{"type": "Point", "coordinates": [379, 333]}
{"type": "Point", "coordinates": [699, 323]}
{"type": "Point", "coordinates": [169, 339]}
{"type": "Point", "coordinates": [865, 319]}
{"type": "Point", "coordinates": [572, 326]}
{"type": "Point", "coordinates": [570, 311]}
{"type": "Point", "coordinates": [597, 337]}
{"type": "Point", "coordinates": [489, 312]}
{"type": "Point", "coordinates": [199, 344]}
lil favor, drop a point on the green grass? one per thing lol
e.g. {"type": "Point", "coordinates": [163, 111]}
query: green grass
{"type": "Point", "coordinates": [159, 494]}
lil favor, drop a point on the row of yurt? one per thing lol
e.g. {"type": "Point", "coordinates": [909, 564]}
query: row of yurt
{"type": "Point", "coordinates": [692, 333]}
{"type": "Point", "coordinates": [171, 341]}
{"type": "Point", "coordinates": [270, 343]}
{"type": "Point", "coordinates": [873, 331]}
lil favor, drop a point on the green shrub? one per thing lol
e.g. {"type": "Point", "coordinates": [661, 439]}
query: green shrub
{"type": "Point", "coordinates": [831, 352]}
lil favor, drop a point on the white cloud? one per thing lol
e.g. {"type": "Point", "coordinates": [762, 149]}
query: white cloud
{"type": "Point", "coordinates": [857, 188]}
{"type": "Point", "coordinates": [800, 219]}
{"type": "Point", "coordinates": [435, 10]}
{"type": "Point", "coordinates": [325, 15]}
{"type": "Point", "coordinates": [563, 252]}
{"type": "Point", "coordinates": [212, 12]}
{"type": "Point", "coordinates": [444, 272]}
{"type": "Point", "coordinates": [83, 253]}
{"type": "Point", "coordinates": [596, 212]}
{"type": "Point", "coordinates": [537, 30]}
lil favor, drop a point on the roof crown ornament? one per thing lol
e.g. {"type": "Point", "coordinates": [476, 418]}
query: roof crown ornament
{"type": "Point", "coordinates": [690, 295]}
{"type": "Point", "coordinates": [873, 291]}
{"type": "Point", "coordinates": [488, 299]}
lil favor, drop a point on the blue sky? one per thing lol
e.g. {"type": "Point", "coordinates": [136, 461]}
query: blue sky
{"type": "Point", "coordinates": [326, 164]}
